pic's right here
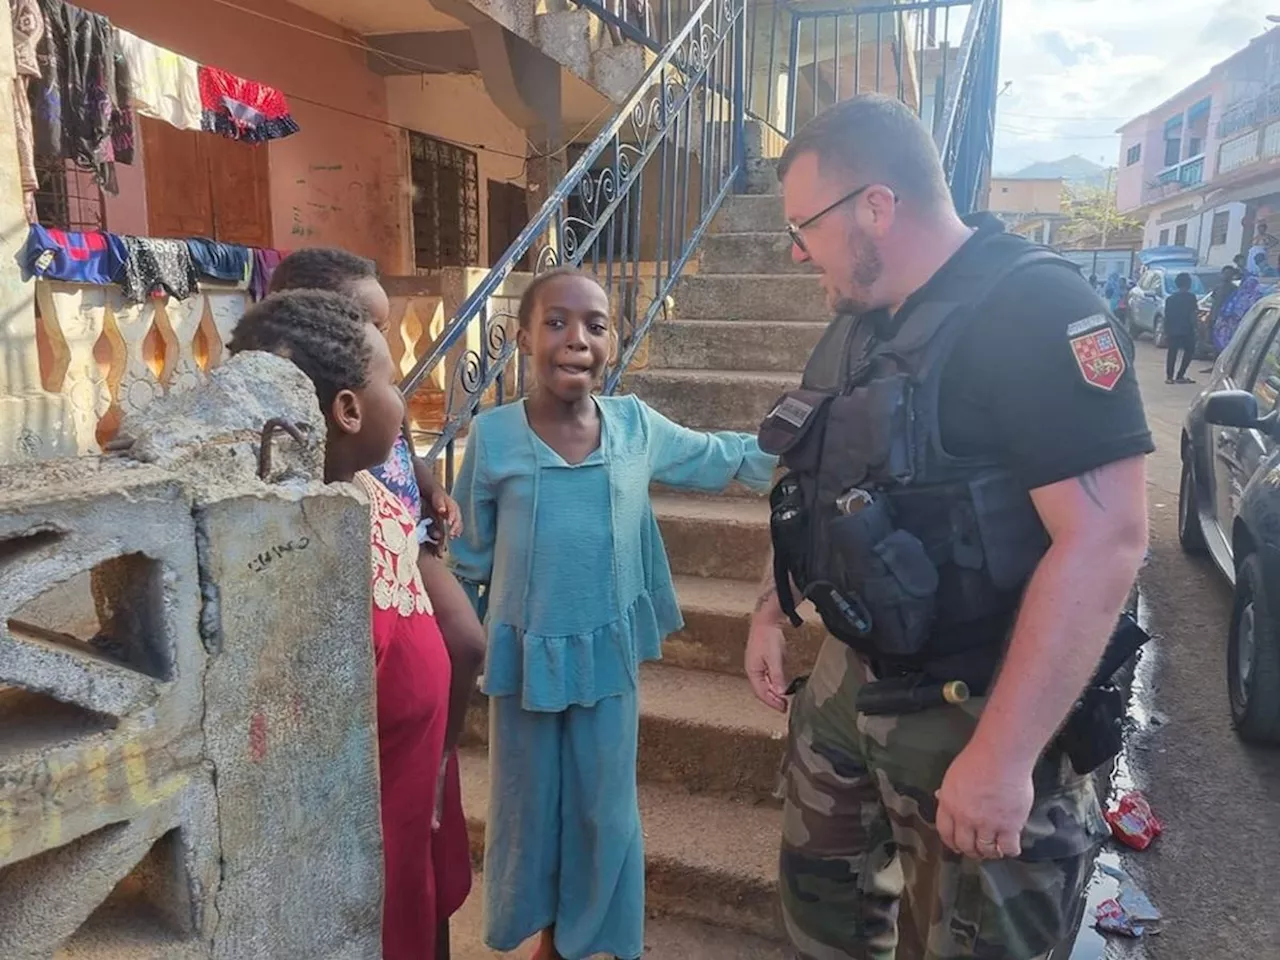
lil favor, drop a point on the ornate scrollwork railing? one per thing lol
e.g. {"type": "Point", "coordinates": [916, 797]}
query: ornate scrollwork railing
{"type": "Point", "coordinates": [631, 210]}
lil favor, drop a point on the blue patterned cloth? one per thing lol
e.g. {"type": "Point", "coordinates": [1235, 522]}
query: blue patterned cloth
{"type": "Point", "coordinates": [398, 477]}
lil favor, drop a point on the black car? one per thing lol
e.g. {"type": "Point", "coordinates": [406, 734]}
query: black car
{"type": "Point", "coordinates": [1229, 508]}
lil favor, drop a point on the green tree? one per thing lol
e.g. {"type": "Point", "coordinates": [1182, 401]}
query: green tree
{"type": "Point", "coordinates": [1092, 217]}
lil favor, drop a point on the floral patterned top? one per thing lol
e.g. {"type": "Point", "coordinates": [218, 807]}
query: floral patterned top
{"type": "Point", "coordinates": [398, 477]}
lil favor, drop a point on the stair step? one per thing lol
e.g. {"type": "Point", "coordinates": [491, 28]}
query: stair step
{"type": "Point", "coordinates": [665, 938]}
{"type": "Point", "coordinates": [751, 296]}
{"type": "Point", "coordinates": [717, 616]}
{"type": "Point", "coordinates": [734, 344]}
{"type": "Point", "coordinates": [726, 539]}
{"type": "Point", "coordinates": [712, 399]}
{"type": "Point", "coordinates": [747, 213]}
{"type": "Point", "coordinates": [706, 858]}
{"type": "Point", "coordinates": [738, 253]}
{"type": "Point", "coordinates": [703, 731]}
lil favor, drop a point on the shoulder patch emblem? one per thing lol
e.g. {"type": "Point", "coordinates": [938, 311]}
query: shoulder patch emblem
{"type": "Point", "coordinates": [1099, 357]}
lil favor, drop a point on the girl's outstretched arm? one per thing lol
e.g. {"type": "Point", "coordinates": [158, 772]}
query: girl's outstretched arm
{"type": "Point", "coordinates": [680, 457]}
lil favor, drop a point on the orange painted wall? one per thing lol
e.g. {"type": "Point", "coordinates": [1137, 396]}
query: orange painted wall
{"type": "Point", "coordinates": [343, 179]}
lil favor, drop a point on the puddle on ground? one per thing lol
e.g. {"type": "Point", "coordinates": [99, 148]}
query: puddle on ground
{"type": "Point", "coordinates": [1090, 944]}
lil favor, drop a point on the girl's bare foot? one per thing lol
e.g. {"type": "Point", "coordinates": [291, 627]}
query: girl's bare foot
{"type": "Point", "coordinates": [546, 949]}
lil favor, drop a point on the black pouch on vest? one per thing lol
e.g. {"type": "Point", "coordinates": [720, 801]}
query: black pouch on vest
{"type": "Point", "coordinates": [793, 428]}
{"type": "Point", "coordinates": [896, 580]}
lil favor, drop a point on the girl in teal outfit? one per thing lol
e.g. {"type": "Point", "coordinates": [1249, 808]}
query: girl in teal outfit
{"type": "Point", "coordinates": [554, 493]}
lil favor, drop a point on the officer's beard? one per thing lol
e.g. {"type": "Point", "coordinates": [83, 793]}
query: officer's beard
{"type": "Point", "coordinates": [864, 271]}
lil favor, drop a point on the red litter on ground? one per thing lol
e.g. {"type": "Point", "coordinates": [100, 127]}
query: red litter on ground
{"type": "Point", "coordinates": [1110, 917]}
{"type": "Point", "coordinates": [1133, 823]}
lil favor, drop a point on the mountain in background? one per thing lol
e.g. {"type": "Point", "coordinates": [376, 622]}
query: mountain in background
{"type": "Point", "coordinates": [1074, 169]}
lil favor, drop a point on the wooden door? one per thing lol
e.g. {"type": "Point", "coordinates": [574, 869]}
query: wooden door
{"type": "Point", "coordinates": [204, 185]}
{"type": "Point", "coordinates": [240, 185]}
{"type": "Point", "coordinates": [179, 202]}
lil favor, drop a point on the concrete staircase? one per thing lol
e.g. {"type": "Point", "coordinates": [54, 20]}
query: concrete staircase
{"type": "Point", "coordinates": [709, 752]}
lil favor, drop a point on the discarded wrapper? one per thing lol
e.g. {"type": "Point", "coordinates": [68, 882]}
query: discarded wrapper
{"type": "Point", "coordinates": [1110, 917]}
{"type": "Point", "coordinates": [1133, 823]}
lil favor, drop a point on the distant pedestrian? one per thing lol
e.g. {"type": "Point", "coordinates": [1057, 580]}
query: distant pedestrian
{"type": "Point", "coordinates": [1261, 266]}
{"type": "Point", "coordinates": [1180, 312]}
{"type": "Point", "coordinates": [559, 530]}
{"type": "Point", "coordinates": [1241, 302]}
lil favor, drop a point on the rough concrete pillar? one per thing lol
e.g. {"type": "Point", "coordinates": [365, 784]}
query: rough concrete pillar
{"type": "Point", "coordinates": [193, 774]}
{"type": "Point", "coordinates": [33, 422]}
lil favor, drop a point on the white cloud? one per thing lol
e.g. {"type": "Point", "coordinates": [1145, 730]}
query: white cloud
{"type": "Point", "coordinates": [1080, 68]}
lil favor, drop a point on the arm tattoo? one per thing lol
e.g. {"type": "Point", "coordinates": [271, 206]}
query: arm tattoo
{"type": "Point", "coordinates": [1092, 489]}
{"type": "Point", "coordinates": [764, 598]}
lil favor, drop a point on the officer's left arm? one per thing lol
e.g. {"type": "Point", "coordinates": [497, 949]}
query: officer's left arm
{"type": "Point", "coordinates": [1098, 525]}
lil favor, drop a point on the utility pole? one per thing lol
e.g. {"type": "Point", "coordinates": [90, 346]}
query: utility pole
{"type": "Point", "coordinates": [1106, 207]}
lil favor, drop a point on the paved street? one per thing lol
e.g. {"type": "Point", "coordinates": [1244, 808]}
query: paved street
{"type": "Point", "coordinates": [1216, 871]}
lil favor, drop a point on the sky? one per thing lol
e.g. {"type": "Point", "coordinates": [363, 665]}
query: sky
{"type": "Point", "coordinates": [1081, 68]}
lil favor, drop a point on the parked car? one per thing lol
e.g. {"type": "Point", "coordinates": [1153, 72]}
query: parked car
{"type": "Point", "coordinates": [1146, 299]}
{"type": "Point", "coordinates": [1229, 508]}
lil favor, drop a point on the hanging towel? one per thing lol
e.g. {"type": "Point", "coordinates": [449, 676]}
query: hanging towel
{"type": "Point", "coordinates": [156, 267]}
{"type": "Point", "coordinates": [264, 265]}
{"type": "Point", "coordinates": [28, 29]}
{"type": "Point", "coordinates": [243, 109]}
{"type": "Point", "coordinates": [96, 258]}
{"type": "Point", "coordinates": [227, 262]}
{"type": "Point", "coordinates": [166, 86]}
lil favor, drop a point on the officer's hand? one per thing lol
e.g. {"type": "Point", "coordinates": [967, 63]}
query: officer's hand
{"type": "Point", "coordinates": [983, 804]}
{"type": "Point", "coordinates": [764, 663]}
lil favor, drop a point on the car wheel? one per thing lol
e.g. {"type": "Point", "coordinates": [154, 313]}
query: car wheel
{"type": "Point", "coordinates": [1157, 334]}
{"type": "Point", "coordinates": [1190, 532]}
{"type": "Point", "coordinates": [1253, 658]}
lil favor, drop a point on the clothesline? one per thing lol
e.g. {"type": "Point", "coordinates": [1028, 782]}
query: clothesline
{"type": "Point", "coordinates": [145, 267]}
{"type": "Point", "coordinates": [80, 80]}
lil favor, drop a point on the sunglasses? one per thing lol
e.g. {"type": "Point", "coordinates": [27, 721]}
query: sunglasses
{"type": "Point", "coordinates": [794, 229]}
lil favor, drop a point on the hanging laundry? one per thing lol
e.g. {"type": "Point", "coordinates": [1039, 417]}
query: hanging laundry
{"type": "Point", "coordinates": [122, 137]}
{"type": "Point", "coordinates": [228, 262]}
{"type": "Point", "coordinates": [243, 109]}
{"type": "Point", "coordinates": [28, 28]}
{"type": "Point", "coordinates": [96, 258]}
{"type": "Point", "coordinates": [153, 268]}
{"type": "Point", "coordinates": [166, 86]}
{"type": "Point", "coordinates": [264, 265]}
{"type": "Point", "coordinates": [74, 105]}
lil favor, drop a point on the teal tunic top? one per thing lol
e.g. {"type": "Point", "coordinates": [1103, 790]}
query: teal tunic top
{"type": "Point", "coordinates": [579, 587]}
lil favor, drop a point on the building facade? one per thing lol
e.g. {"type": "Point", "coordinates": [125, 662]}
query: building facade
{"type": "Point", "coordinates": [1203, 169]}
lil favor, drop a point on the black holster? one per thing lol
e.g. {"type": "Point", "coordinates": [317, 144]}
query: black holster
{"type": "Point", "coordinates": [1094, 731]}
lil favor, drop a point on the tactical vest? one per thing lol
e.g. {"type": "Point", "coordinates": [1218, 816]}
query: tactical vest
{"type": "Point", "coordinates": [911, 555]}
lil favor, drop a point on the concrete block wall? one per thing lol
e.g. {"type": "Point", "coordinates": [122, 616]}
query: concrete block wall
{"type": "Point", "coordinates": [187, 740]}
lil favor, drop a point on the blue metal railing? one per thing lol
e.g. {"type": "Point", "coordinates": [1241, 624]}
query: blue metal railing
{"type": "Point", "coordinates": [635, 205]}
{"type": "Point", "coordinates": [678, 136]}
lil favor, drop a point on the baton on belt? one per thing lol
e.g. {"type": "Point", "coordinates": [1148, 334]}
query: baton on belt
{"type": "Point", "coordinates": [910, 694]}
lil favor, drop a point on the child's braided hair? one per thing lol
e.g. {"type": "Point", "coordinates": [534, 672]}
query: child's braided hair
{"type": "Point", "coordinates": [321, 268]}
{"type": "Point", "coordinates": [324, 334]}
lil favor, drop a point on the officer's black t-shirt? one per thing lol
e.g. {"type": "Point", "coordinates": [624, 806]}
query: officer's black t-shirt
{"type": "Point", "coordinates": [1042, 380]}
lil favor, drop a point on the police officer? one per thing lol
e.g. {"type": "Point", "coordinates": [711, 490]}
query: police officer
{"type": "Point", "coordinates": [965, 499]}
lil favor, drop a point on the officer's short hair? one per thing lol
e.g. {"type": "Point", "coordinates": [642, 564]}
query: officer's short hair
{"type": "Point", "coordinates": [879, 140]}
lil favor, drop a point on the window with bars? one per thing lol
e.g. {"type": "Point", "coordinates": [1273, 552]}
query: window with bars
{"type": "Point", "coordinates": [1134, 155]}
{"type": "Point", "coordinates": [446, 204]}
{"type": "Point", "coordinates": [1218, 231]}
{"type": "Point", "coordinates": [69, 198]}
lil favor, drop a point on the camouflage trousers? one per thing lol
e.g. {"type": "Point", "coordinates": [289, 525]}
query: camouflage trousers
{"type": "Point", "coordinates": [863, 872]}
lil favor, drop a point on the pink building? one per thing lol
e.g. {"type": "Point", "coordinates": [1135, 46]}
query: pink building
{"type": "Point", "coordinates": [1203, 168]}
